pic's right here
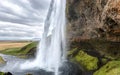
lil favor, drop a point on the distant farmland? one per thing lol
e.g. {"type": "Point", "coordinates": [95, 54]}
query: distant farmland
{"type": "Point", "coordinates": [12, 44]}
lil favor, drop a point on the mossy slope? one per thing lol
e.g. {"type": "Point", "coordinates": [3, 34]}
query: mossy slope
{"type": "Point", "coordinates": [86, 61]}
{"type": "Point", "coordinates": [111, 68]}
{"type": "Point", "coordinates": [89, 62]}
{"type": "Point", "coordinates": [25, 51]}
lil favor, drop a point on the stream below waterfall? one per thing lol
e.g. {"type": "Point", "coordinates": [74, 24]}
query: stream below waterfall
{"type": "Point", "coordinates": [13, 65]}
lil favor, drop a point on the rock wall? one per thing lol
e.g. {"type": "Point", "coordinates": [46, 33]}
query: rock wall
{"type": "Point", "coordinates": [93, 26]}
{"type": "Point", "coordinates": [93, 19]}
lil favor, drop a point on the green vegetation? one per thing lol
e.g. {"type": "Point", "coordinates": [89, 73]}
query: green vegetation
{"type": "Point", "coordinates": [11, 51]}
{"type": "Point", "coordinates": [71, 52]}
{"type": "Point", "coordinates": [2, 73]}
{"type": "Point", "coordinates": [23, 52]}
{"type": "Point", "coordinates": [94, 54]}
{"type": "Point", "coordinates": [2, 60]}
{"type": "Point", "coordinates": [111, 68]}
{"type": "Point", "coordinates": [5, 73]}
{"type": "Point", "coordinates": [87, 61]}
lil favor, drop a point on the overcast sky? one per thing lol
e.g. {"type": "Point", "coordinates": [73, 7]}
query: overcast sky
{"type": "Point", "coordinates": [22, 19]}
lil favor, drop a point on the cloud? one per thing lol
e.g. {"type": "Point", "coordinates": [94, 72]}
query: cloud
{"type": "Point", "coordinates": [8, 29]}
{"type": "Point", "coordinates": [22, 18]}
{"type": "Point", "coordinates": [37, 4]}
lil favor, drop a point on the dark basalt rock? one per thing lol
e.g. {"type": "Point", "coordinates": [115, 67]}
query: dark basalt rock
{"type": "Point", "coordinates": [94, 27]}
{"type": "Point", "coordinates": [70, 68]}
{"type": "Point", "coordinates": [8, 73]}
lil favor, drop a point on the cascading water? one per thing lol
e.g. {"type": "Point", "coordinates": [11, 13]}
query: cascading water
{"type": "Point", "coordinates": [52, 45]}
{"type": "Point", "coordinates": [51, 50]}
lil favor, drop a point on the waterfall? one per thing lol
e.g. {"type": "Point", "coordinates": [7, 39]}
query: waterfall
{"type": "Point", "coordinates": [51, 49]}
{"type": "Point", "coordinates": [52, 44]}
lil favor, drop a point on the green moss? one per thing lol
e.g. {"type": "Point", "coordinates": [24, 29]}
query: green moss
{"type": "Point", "coordinates": [87, 61]}
{"type": "Point", "coordinates": [111, 68]}
{"type": "Point", "coordinates": [28, 48]}
{"type": "Point", "coordinates": [11, 51]}
{"type": "Point", "coordinates": [71, 52]}
{"type": "Point", "coordinates": [104, 61]}
{"type": "Point", "coordinates": [1, 60]}
{"type": "Point", "coordinates": [21, 52]}
{"type": "Point", "coordinates": [2, 73]}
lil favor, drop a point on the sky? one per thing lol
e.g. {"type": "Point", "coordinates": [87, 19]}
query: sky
{"type": "Point", "coordinates": [22, 19]}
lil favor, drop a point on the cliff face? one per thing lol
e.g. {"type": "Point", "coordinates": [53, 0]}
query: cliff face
{"type": "Point", "coordinates": [93, 26]}
{"type": "Point", "coordinates": [93, 19]}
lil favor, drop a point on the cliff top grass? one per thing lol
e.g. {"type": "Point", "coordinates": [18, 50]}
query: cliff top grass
{"type": "Point", "coordinates": [20, 51]}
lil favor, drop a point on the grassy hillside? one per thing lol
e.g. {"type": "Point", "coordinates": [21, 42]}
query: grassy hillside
{"type": "Point", "coordinates": [24, 52]}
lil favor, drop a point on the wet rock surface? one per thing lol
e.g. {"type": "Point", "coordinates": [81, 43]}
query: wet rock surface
{"type": "Point", "coordinates": [70, 68]}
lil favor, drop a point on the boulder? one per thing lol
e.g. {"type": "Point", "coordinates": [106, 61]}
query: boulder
{"type": "Point", "coordinates": [70, 68]}
{"type": "Point", "coordinates": [87, 61]}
